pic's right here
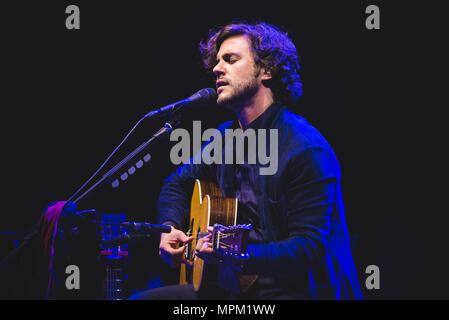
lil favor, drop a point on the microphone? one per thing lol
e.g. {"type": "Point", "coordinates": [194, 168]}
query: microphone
{"type": "Point", "coordinates": [124, 240]}
{"type": "Point", "coordinates": [202, 97]}
{"type": "Point", "coordinates": [140, 232]}
{"type": "Point", "coordinates": [146, 227]}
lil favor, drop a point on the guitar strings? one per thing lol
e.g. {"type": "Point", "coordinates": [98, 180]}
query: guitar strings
{"type": "Point", "coordinates": [225, 245]}
{"type": "Point", "coordinates": [226, 235]}
{"type": "Point", "coordinates": [203, 234]}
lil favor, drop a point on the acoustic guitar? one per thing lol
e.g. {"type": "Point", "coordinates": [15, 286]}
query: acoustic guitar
{"type": "Point", "coordinates": [210, 208]}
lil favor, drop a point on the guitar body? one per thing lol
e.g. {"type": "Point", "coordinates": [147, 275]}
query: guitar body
{"type": "Point", "coordinates": [208, 207]}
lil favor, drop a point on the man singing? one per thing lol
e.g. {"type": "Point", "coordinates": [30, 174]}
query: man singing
{"type": "Point", "coordinates": [299, 246]}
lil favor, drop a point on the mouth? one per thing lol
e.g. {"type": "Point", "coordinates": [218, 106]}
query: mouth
{"type": "Point", "coordinates": [220, 84]}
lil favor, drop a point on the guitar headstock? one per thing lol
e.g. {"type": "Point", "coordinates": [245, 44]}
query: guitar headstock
{"type": "Point", "coordinates": [231, 241]}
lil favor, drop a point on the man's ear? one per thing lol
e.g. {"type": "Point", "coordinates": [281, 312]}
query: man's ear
{"type": "Point", "coordinates": [266, 75]}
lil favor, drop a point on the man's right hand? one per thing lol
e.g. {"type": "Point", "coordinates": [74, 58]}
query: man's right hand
{"type": "Point", "coordinates": [172, 246]}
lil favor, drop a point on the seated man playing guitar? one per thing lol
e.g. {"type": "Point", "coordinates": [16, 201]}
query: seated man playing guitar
{"type": "Point", "coordinates": [298, 242]}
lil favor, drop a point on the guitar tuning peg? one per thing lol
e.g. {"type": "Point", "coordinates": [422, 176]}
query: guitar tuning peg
{"type": "Point", "coordinates": [132, 170]}
{"type": "Point", "coordinates": [115, 183]}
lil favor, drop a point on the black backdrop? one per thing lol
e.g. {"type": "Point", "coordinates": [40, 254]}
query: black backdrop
{"type": "Point", "coordinates": [376, 95]}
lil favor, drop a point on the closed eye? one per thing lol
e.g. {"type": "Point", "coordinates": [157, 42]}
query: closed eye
{"type": "Point", "coordinates": [231, 57]}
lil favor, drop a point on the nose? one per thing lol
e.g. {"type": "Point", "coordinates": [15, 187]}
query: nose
{"type": "Point", "coordinates": [218, 69]}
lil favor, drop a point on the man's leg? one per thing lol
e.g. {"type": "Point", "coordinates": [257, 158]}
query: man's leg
{"type": "Point", "coordinates": [181, 292]}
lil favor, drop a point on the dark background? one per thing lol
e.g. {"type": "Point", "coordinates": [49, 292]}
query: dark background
{"type": "Point", "coordinates": [376, 96]}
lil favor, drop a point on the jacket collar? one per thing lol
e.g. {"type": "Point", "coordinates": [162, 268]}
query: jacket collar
{"type": "Point", "coordinates": [264, 120]}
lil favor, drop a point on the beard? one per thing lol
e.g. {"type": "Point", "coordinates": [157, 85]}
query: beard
{"type": "Point", "coordinates": [238, 92]}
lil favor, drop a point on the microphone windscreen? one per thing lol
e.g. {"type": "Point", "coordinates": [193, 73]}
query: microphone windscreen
{"type": "Point", "coordinates": [204, 96]}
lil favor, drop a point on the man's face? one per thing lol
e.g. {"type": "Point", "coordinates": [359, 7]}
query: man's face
{"type": "Point", "coordinates": [237, 77]}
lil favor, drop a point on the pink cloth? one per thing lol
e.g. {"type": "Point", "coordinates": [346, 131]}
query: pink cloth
{"type": "Point", "coordinates": [49, 226]}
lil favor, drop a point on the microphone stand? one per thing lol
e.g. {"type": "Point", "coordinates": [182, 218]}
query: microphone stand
{"type": "Point", "coordinates": [168, 127]}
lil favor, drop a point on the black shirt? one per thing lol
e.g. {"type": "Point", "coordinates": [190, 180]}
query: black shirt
{"type": "Point", "coordinates": [247, 211]}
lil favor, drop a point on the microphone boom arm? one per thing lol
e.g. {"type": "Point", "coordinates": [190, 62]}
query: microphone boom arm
{"type": "Point", "coordinates": [168, 127]}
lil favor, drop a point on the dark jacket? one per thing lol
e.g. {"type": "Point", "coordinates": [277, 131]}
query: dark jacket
{"type": "Point", "coordinates": [306, 238]}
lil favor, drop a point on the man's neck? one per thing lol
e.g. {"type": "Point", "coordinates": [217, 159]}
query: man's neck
{"type": "Point", "coordinates": [253, 108]}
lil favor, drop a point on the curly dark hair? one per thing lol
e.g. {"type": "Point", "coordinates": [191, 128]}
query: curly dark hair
{"type": "Point", "coordinates": [273, 50]}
